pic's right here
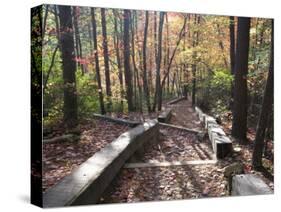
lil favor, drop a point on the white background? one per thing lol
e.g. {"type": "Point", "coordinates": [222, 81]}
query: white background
{"type": "Point", "coordinates": [15, 102]}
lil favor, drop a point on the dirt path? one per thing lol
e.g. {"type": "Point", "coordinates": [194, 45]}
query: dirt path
{"type": "Point", "coordinates": [184, 115]}
{"type": "Point", "coordinates": [178, 145]}
{"type": "Point", "coordinates": [167, 183]}
{"type": "Point", "coordinates": [179, 166]}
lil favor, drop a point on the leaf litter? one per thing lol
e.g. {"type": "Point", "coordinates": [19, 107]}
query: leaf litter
{"type": "Point", "coordinates": [60, 159]}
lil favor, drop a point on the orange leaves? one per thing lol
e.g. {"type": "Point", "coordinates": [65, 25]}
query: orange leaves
{"type": "Point", "coordinates": [82, 61]}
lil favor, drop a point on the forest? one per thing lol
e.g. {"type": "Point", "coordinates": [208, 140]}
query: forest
{"type": "Point", "coordinates": [130, 64]}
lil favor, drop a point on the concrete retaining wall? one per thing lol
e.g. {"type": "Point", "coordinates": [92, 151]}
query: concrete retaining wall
{"type": "Point", "coordinates": [86, 184]}
{"type": "Point", "coordinates": [249, 184]}
{"type": "Point", "coordinates": [180, 128]}
{"type": "Point", "coordinates": [174, 101]}
{"type": "Point", "coordinates": [117, 120]}
{"type": "Point", "coordinates": [165, 115]}
{"type": "Point", "coordinates": [221, 144]}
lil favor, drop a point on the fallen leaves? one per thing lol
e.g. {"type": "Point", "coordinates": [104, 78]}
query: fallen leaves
{"type": "Point", "coordinates": [167, 183]}
{"type": "Point", "coordinates": [184, 115]}
{"type": "Point", "coordinates": [177, 145]}
{"type": "Point", "coordinates": [59, 159]}
{"type": "Point", "coordinates": [179, 182]}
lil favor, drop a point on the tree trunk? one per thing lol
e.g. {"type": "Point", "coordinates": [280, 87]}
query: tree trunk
{"type": "Point", "coordinates": [57, 22]}
{"type": "Point", "coordinates": [194, 66]}
{"type": "Point", "coordinates": [155, 36]}
{"type": "Point", "coordinates": [158, 93]}
{"type": "Point", "coordinates": [155, 56]}
{"type": "Point", "coordinates": [134, 68]}
{"type": "Point", "coordinates": [90, 37]}
{"type": "Point", "coordinates": [150, 54]}
{"type": "Point", "coordinates": [222, 47]}
{"type": "Point", "coordinates": [232, 43]}
{"type": "Point", "coordinates": [232, 54]}
{"type": "Point", "coordinates": [56, 49]}
{"type": "Point", "coordinates": [50, 69]}
{"type": "Point", "coordinates": [193, 98]}
{"type": "Point", "coordinates": [134, 33]}
{"type": "Point", "coordinates": [119, 65]}
{"type": "Point", "coordinates": [95, 42]}
{"type": "Point", "coordinates": [45, 22]}
{"type": "Point", "coordinates": [145, 84]}
{"type": "Point", "coordinates": [239, 125]}
{"type": "Point", "coordinates": [77, 37]}
{"type": "Point", "coordinates": [68, 66]}
{"type": "Point", "coordinates": [266, 107]}
{"type": "Point", "coordinates": [105, 57]}
{"type": "Point", "coordinates": [170, 60]}
{"type": "Point", "coordinates": [127, 69]}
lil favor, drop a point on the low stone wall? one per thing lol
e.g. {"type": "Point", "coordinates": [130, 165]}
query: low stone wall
{"type": "Point", "coordinates": [87, 183]}
{"type": "Point", "coordinates": [117, 120]}
{"type": "Point", "coordinates": [174, 101]}
{"type": "Point", "coordinates": [165, 115]}
{"type": "Point", "coordinates": [180, 128]}
{"type": "Point", "coordinates": [62, 138]}
{"type": "Point", "coordinates": [200, 114]}
{"type": "Point", "coordinates": [221, 144]}
{"type": "Point", "coordinates": [248, 184]}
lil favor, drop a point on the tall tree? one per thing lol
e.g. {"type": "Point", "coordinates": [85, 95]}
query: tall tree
{"type": "Point", "coordinates": [232, 42]}
{"type": "Point", "coordinates": [155, 36]}
{"type": "Point", "coordinates": [117, 38]}
{"type": "Point", "coordinates": [46, 77]}
{"type": "Point", "coordinates": [221, 45]}
{"type": "Point", "coordinates": [167, 56]}
{"type": "Point", "coordinates": [90, 36]}
{"type": "Point", "coordinates": [158, 61]}
{"type": "Point", "coordinates": [57, 22]}
{"type": "Point", "coordinates": [68, 66]}
{"type": "Point", "coordinates": [145, 83]}
{"type": "Point", "coordinates": [134, 37]}
{"type": "Point", "coordinates": [194, 55]}
{"type": "Point", "coordinates": [127, 69]}
{"type": "Point", "coordinates": [134, 69]}
{"type": "Point", "coordinates": [106, 57]}
{"type": "Point", "coordinates": [232, 52]}
{"type": "Point", "coordinates": [78, 45]}
{"type": "Point", "coordinates": [239, 124]}
{"type": "Point", "coordinates": [266, 107]}
{"type": "Point", "coordinates": [45, 21]}
{"type": "Point", "coordinates": [97, 66]}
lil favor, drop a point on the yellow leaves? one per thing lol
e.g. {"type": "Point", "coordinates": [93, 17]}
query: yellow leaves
{"type": "Point", "coordinates": [253, 31]}
{"type": "Point", "coordinates": [251, 66]}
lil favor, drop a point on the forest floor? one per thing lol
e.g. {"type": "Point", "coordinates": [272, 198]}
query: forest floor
{"type": "Point", "coordinates": [173, 182]}
{"type": "Point", "coordinates": [60, 159]}
{"type": "Point", "coordinates": [154, 176]}
{"type": "Point", "coordinates": [184, 115]}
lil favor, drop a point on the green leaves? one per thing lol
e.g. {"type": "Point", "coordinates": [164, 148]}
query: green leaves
{"type": "Point", "coordinates": [221, 80]}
